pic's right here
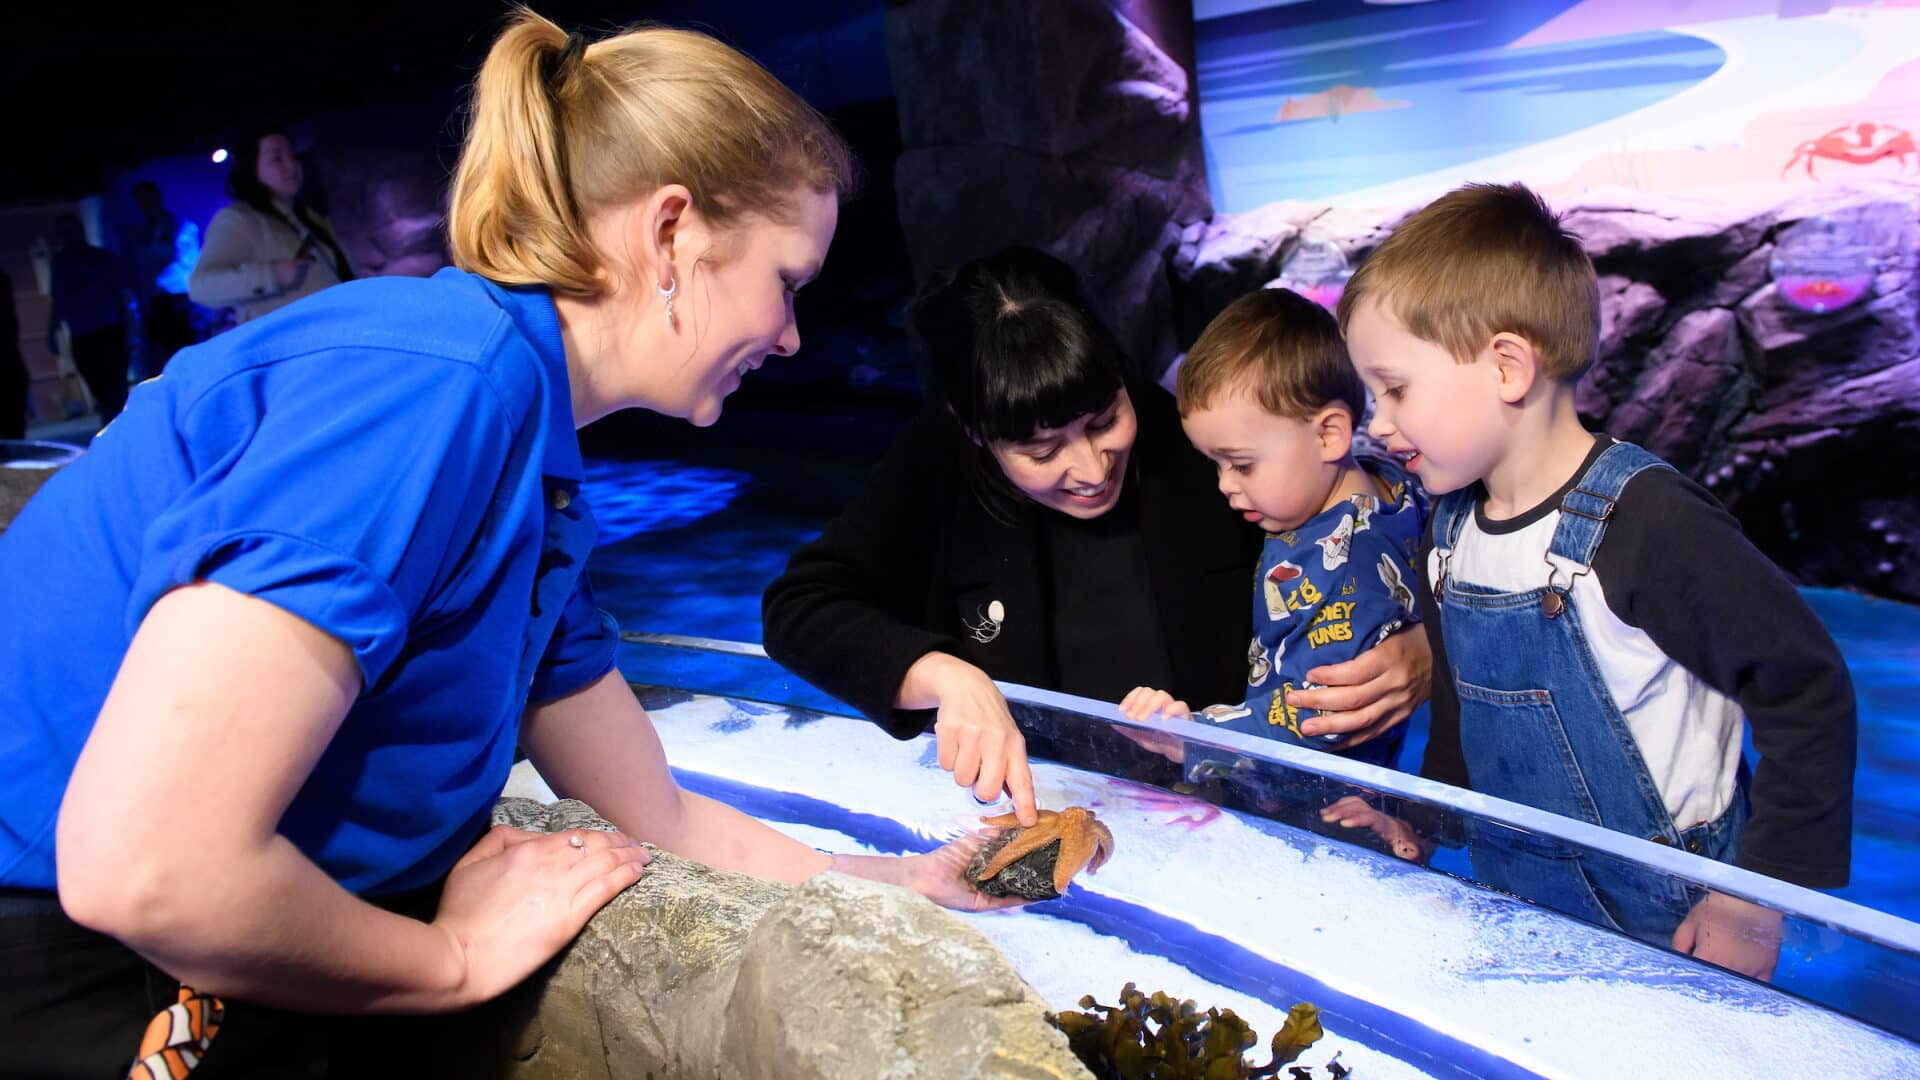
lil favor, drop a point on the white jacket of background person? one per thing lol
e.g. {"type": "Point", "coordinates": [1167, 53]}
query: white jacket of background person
{"type": "Point", "coordinates": [238, 259]}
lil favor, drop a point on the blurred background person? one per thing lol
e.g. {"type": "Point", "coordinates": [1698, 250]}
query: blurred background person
{"type": "Point", "coordinates": [89, 287]}
{"type": "Point", "coordinates": [13, 367]}
{"type": "Point", "coordinates": [268, 247]}
{"type": "Point", "coordinates": [153, 244]}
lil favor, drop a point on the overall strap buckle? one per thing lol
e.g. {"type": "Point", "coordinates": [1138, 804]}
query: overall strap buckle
{"type": "Point", "coordinates": [1581, 503]}
{"type": "Point", "coordinates": [1553, 602]}
{"type": "Point", "coordinates": [1591, 505]}
{"type": "Point", "coordinates": [1585, 512]}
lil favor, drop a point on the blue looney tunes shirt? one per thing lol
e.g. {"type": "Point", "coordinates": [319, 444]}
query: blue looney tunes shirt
{"type": "Point", "coordinates": [1327, 592]}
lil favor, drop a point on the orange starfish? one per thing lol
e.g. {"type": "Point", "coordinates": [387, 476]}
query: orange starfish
{"type": "Point", "coordinates": [1083, 842]}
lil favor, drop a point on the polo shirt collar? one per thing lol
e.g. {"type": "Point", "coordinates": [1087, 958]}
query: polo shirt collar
{"type": "Point", "coordinates": [531, 308]}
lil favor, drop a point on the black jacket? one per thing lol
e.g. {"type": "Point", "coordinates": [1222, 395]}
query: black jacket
{"type": "Point", "coordinates": [893, 577]}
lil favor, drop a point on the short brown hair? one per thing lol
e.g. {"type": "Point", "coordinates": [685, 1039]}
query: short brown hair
{"type": "Point", "coordinates": [1279, 347]}
{"type": "Point", "coordinates": [1481, 260]}
{"type": "Point", "coordinates": [561, 130]}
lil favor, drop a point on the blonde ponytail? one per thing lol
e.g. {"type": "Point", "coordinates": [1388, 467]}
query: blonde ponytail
{"type": "Point", "coordinates": [558, 134]}
{"type": "Point", "coordinates": [512, 216]}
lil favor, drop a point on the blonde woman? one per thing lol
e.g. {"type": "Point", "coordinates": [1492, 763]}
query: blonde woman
{"type": "Point", "coordinates": [271, 644]}
{"type": "Point", "coordinates": [267, 248]}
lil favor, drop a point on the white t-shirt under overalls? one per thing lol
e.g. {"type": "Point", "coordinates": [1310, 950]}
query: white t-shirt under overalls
{"type": "Point", "coordinates": [1693, 629]}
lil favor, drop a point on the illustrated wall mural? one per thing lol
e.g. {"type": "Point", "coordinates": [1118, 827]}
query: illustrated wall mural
{"type": "Point", "coordinates": [1381, 103]}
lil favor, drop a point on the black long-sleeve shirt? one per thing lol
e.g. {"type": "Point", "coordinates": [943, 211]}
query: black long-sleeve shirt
{"type": "Point", "coordinates": [1692, 628]}
{"type": "Point", "coordinates": [918, 564]}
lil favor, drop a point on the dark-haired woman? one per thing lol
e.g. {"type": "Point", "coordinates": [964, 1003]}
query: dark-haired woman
{"type": "Point", "coordinates": [1043, 522]}
{"type": "Point", "coordinates": [267, 248]}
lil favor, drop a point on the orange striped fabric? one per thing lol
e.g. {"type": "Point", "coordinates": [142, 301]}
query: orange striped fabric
{"type": "Point", "coordinates": [178, 1037]}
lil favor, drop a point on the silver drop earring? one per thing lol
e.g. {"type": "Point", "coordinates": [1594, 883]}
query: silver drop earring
{"type": "Point", "coordinates": [673, 286]}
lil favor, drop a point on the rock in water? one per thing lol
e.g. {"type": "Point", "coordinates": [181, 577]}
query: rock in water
{"type": "Point", "coordinates": [696, 972]}
{"type": "Point", "coordinates": [1030, 876]}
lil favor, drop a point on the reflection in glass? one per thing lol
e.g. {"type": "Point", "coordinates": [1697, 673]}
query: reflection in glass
{"type": "Point", "coordinates": [1316, 269]}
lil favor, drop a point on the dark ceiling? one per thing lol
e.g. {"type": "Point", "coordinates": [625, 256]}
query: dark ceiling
{"type": "Point", "coordinates": [92, 87]}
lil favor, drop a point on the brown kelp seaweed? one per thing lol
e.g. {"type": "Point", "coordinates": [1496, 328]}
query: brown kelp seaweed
{"type": "Point", "coordinates": [1157, 1038]}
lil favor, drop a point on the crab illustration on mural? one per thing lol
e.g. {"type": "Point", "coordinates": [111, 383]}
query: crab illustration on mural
{"type": "Point", "coordinates": [1871, 143]}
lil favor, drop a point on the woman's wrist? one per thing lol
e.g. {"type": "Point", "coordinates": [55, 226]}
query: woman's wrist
{"type": "Point", "coordinates": [886, 869]}
{"type": "Point", "coordinates": [450, 989]}
{"type": "Point", "coordinates": [928, 680]}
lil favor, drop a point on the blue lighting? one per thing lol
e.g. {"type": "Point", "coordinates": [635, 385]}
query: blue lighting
{"type": "Point", "coordinates": [630, 498]}
{"type": "Point", "coordinates": [186, 252]}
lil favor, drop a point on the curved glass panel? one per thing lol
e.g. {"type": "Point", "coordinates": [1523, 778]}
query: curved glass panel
{"type": "Point", "coordinates": [1503, 972]}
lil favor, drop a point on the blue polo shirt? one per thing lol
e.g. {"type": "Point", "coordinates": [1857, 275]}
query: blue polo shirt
{"type": "Point", "coordinates": [392, 460]}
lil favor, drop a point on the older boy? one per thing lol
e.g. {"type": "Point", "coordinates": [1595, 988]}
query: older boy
{"type": "Point", "coordinates": [1606, 629]}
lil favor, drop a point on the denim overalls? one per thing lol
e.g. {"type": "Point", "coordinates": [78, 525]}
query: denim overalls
{"type": "Point", "coordinates": [1539, 726]}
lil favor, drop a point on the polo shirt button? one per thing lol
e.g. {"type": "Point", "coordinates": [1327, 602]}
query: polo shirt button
{"type": "Point", "coordinates": [561, 499]}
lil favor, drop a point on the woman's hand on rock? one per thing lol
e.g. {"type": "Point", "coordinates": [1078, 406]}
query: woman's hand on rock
{"type": "Point", "coordinates": [517, 898]}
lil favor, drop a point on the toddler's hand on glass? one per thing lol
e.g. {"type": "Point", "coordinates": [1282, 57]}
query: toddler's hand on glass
{"type": "Point", "coordinates": [1144, 702]}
